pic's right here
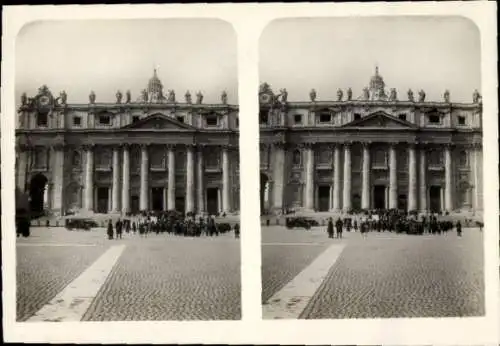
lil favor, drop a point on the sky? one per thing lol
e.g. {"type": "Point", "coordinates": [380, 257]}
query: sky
{"type": "Point", "coordinates": [429, 53]}
{"type": "Point", "coordinates": [110, 55]}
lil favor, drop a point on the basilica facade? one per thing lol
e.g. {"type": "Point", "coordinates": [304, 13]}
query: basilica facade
{"type": "Point", "coordinates": [152, 153]}
{"type": "Point", "coordinates": [374, 151]}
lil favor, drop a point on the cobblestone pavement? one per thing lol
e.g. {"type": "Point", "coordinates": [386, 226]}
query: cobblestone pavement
{"type": "Point", "coordinates": [386, 275]}
{"type": "Point", "coordinates": [161, 277]}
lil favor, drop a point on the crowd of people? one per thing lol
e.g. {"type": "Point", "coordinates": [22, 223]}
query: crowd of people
{"type": "Point", "coordinates": [170, 223]}
{"type": "Point", "coordinates": [393, 221]}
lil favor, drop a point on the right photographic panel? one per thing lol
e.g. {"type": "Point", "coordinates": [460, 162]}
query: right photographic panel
{"type": "Point", "coordinates": [371, 189]}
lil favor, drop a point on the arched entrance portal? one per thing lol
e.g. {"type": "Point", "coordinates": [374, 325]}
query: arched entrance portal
{"type": "Point", "coordinates": [37, 194]}
{"type": "Point", "coordinates": [264, 192]}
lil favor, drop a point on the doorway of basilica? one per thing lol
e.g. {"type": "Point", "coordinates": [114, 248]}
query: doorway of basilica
{"type": "Point", "coordinates": [379, 197]}
{"type": "Point", "coordinates": [323, 198]}
{"type": "Point", "coordinates": [157, 198]}
{"type": "Point", "coordinates": [38, 191]}
{"type": "Point", "coordinates": [102, 200]}
{"type": "Point", "coordinates": [435, 199]}
{"type": "Point", "coordinates": [213, 201]}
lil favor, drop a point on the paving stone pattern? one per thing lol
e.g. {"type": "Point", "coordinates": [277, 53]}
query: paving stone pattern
{"type": "Point", "coordinates": [171, 278]}
{"type": "Point", "coordinates": [42, 272]}
{"type": "Point", "coordinates": [388, 276]}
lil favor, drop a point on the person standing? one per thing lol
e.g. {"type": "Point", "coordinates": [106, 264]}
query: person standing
{"type": "Point", "coordinates": [330, 228]}
{"type": "Point", "coordinates": [459, 228]}
{"type": "Point", "coordinates": [110, 230]}
{"type": "Point", "coordinates": [338, 226]}
{"type": "Point", "coordinates": [237, 230]}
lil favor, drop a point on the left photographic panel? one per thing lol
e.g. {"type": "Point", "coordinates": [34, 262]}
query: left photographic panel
{"type": "Point", "coordinates": [127, 171]}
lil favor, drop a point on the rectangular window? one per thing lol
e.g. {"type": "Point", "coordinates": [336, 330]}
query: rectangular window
{"type": "Point", "coordinates": [77, 121]}
{"type": "Point", "coordinates": [41, 119]}
{"type": "Point", "coordinates": [357, 116]}
{"type": "Point", "coordinates": [135, 118]}
{"type": "Point", "coordinates": [325, 118]}
{"type": "Point", "coordinates": [434, 119]}
{"type": "Point", "coordinates": [212, 120]}
{"type": "Point", "coordinates": [402, 116]}
{"type": "Point", "coordinates": [180, 119]}
{"type": "Point", "coordinates": [104, 120]}
{"type": "Point", "coordinates": [297, 118]}
{"type": "Point", "coordinates": [461, 120]}
{"type": "Point", "coordinates": [263, 117]}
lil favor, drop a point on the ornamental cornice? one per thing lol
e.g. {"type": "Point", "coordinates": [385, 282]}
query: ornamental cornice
{"type": "Point", "coordinates": [389, 104]}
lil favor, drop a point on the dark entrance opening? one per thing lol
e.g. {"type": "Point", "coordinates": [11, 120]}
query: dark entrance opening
{"type": "Point", "coordinates": [157, 198]}
{"type": "Point", "coordinates": [213, 201]}
{"type": "Point", "coordinates": [180, 204]}
{"type": "Point", "coordinates": [402, 202]}
{"type": "Point", "coordinates": [264, 186]}
{"type": "Point", "coordinates": [37, 194]}
{"type": "Point", "coordinates": [435, 199]}
{"type": "Point", "coordinates": [134, 204]}
{"type": "Point", "coordinates": [323, 198]}
{"type": "Point", "coordinates": [379, 197]}
{"type": "Point", "coordinates": [356, 202]}
{"type": "Point", "coordinates": [102, 200]}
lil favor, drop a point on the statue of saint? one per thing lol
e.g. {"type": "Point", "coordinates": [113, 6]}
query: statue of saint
{"type": "Point", "coordinates": [349, 94]}
{"type": "Point", "coordinates": [119, 96]}
{"type": "Point", "coordinates": [476, 97]}
{"type": "Point", "coordinates": [187, 96]}
{"type": "Point", "coordinates": [223, 97]}
{"type": "Point", "coordinates": [393, 95]}
{"type": "Point", "coordinates": [284, 95]}
{"type": "Point", "coordinates": [410, 96]}
{"type": "Point", "coordinates": [421, 96]}
{"type": "Point", "coordinates": [128, 96]}
{"type": "Point", "coordinates": [312, 95]}
{"type": "Point", "coordinates": [366, 94]}
{"type": "Point", "coordinates": [24, 99]}
{"type": "Point", "coordinates": [446, 96]}
{"type": "Point", "coordinates": [144, 95]}
{"type": "Point", "coordinates": [63, 97]}
{"type": "Point", "coordinates": [171, 96]}
{"type": "Point", "coordinates": [92, 97]}
{"type": "Point", "coordinates": [199, 98]}
{"type": "Point", "coordinates": [340, 94]}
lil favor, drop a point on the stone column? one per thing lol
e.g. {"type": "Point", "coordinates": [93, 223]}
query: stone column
{"type": "Point", "coordinates": [365, 196]}
{"type": "Point", "coordinates": [393, 177]}
{"type": "Point", "coordinates": [347, 177]}
{"type": "Point", "coordinates": [478, 171]}
{"type": "Point", "coordinates": [412, 178]}
{"type": "Point", "coordinates": [448, 201]}
{"type": "Point", "coordinates": [58, 179]}
{"type": "Point", "coordinates": [126, 180]}
{"type": "Point", "coordinates": [336, 178]}
{"type": "Point", "coordinates": [190, 207]}
{"type": "Point", "coordinates": [116, 180]}
{"type": "Point", "coordinates": [144, 196]}
{"type": "Point", "coordinates": [89, 179]}
{"type": "Point", "coordinates": [309, 200]}
{"type": "Point", "coordinates": [21, 169]}
{"type": "Point", "coordinates": [278, 162]}
{"type": "Point", "coordinates": [200, 192]}
{"type": "Point", "coordinates": [226, 205]}
{"type": "Point", "coordinates": [171, 178]}
{"type": "Point", "coordinates": [423, 181]}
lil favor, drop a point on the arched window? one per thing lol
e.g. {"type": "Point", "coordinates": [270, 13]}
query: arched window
{"type": "Point", "coordinates": [463, 159]}
{"type": "Point", "coordinates": [296, 157]}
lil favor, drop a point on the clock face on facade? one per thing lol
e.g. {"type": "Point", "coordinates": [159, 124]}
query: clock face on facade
{"type": "Point", "coordinates": [44, 100]}
{"type": "Point", "coordinates": [265, 98]}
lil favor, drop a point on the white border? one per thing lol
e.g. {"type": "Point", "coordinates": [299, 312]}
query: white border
{"type": "Point", "coordinates": [248, 20]}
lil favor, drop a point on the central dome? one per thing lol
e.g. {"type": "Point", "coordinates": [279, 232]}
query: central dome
{"type": "Point", "coordinates": [154, 84]}
{"type": "Point", "coordinates": [377, 82]}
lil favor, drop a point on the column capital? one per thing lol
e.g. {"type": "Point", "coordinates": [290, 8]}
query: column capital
{"type": "Point", "coordinates": [366, 144]}
{"type": "Point", "coordinates": [58, 146]}
{"type": "Point", "coordinates": [22, 147]}
{"type": "Point", "coordinates": [412, 145]}
{"type": "Point", "coordinates": [279, 145]}
{"type": "Point", "coordinates": [88, 147]}
{"type": "Point", "coordinates": [191, 146]}
{"type": "Point", "coordinates": [170, 146]}
{"type": "Point", "coordinates": [309, 145]}
{"type": "Point", "coordinates": [144, 146]}
{"type": "Point", "coordinates": [125, 146]}
{"type": "Point", "coordinates": [449, 146]}
{"type": "Point", "coordinates": [347, 145]}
